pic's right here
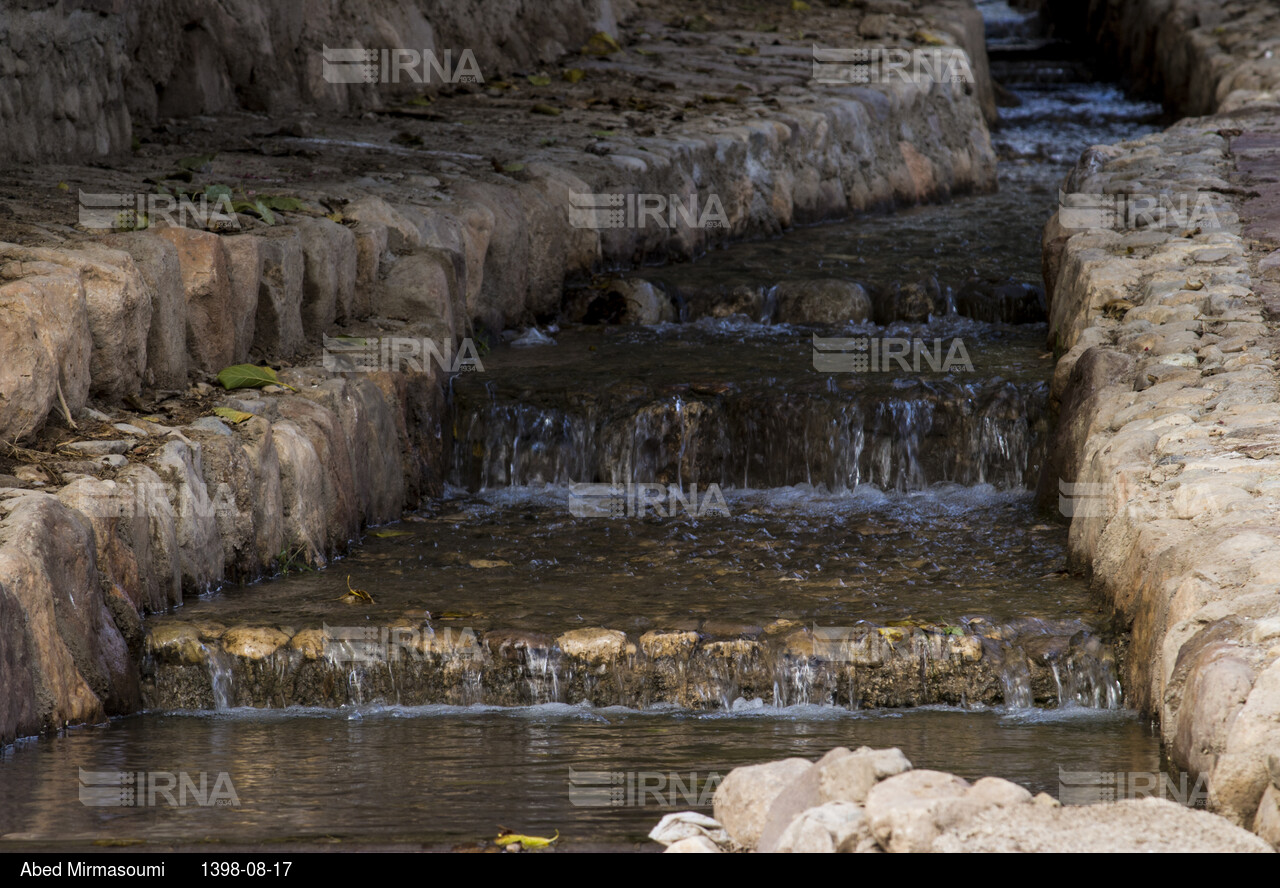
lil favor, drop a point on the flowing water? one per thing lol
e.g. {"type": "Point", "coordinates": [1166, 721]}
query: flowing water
{"type": "Point", "coordinates": [736, 492]}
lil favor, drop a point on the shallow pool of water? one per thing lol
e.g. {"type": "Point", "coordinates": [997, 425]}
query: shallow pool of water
{"type": "Point", "coordinates": [442, 776]}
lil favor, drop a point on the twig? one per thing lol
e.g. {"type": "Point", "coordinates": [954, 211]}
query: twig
{"type": "Point", "coordinates": [66, 412]}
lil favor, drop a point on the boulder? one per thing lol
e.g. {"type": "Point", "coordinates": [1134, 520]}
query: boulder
{"type": "Point", "coordinates": [821, 301]}
{"type": "Point", "coordinates": [908, 811]}
{"type": "Point", "coordinates": [157, 260]}
{"type": "Point", "coordinates": [206, 282]}
{"type": "Point", "coordinates": [62, 635]}
{"type": "Point", "coordinates": [835, 826]}
{"type": "Point", "coordinates": [745, 795]}
{"type": "Point", "coordinates": [277, 326]}
{"type": "Point", "coordinates": [246, 257]}
{"type": "Point", "coordinates": [329, 277]}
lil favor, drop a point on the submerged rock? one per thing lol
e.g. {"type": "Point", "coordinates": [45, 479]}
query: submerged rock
{"type": "Point", "coordinates": [821, 301]}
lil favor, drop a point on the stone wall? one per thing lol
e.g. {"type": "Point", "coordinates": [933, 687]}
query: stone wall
{"type": "Point", "coordinates": [76, 74]}
{"type": "Point", "coordinates": [1161, 273]}
{"type": "Point", "coordinates": [1200, 56]}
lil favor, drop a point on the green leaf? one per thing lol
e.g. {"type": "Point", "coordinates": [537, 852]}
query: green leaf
{"type": "Point", "coordinates": [217, 193]}
{"type": "Point", "coordinates": [240, 376]}
{"type": "Point", "coordinates": [573, 75]}
{"type": "Point", "coordinates": [544, 108]}
{"type": "Point", "coordinates": [391, 534]}
{"type": "Point", "coordinates": [538, 80]}
{"type": "Point", "coordinates": [282, 203]}
{"type": "Point", "coordinates": [231, 415]}
{"type": "Point", "coordinates": [513, 167]}
{"type": "Point", "coordinates": [604, 134]}
{"type": "Point", "coordinates": [265, 212]}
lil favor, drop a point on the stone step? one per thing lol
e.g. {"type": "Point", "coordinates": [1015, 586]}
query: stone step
{"type": "Point", "coordinates": [416, 662]}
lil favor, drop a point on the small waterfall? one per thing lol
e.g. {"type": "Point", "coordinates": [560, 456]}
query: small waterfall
{"type": "Point", "coordinates": [1091, 682]}
{"type": "Point", "coordinates": [1015, 680]}
{"type": "Point", "coordinates": [221, 676]}
{"type": "Point", "coordinates": [542, 675]}
{"type": "Point", "coordinates": [902, 435]}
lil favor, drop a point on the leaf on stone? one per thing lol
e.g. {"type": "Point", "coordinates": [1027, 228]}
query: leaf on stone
{"type": "Point", "coordinates": [603, 134]}
{"type": "Point", "coordinates": [63, 186]}
{"type": "Point", "coordinates": [799, 6]}
{"type": "Point", "coordinates": [747, 51]}
{"type": "Point", "coordinates": [538, 80]}
{"type": "Point", "coordinates": [573, 75]}
{"type": "Point", "coordinates": [544, 108]}
{"type": "Point", "coordinates": [421, 100]}
{"type": "Point", "coordinates": [232, 415]}
{"type": "Point", "coordinates": [240, 376]}
{"type": "Point", "coordinates": [601, 44]}
{"type": "Point", "coordinates": [513, 167]}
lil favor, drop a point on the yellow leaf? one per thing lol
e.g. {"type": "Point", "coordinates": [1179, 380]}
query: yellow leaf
{"type": "Point", "coordinates": [388, 534]}
{"type": "Point", "coordinates": [573, 75]}
{"type": "Point", "coordinates": [483, 563]}
{"type": "Point", "coordinates": [358, 593]}
{"type": "Point", "coordinates": [601, 44]}
{"type": "Point", "coordinates": [527, 842]}
{"type": "Point", "coordinates": [928, 38]}
{"type": "Point", "coordinates": [799, 6]}
{"type": "Point", "coordinates": [63, 186]}
{"type": "Point", "coordinates": [231, 415]}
